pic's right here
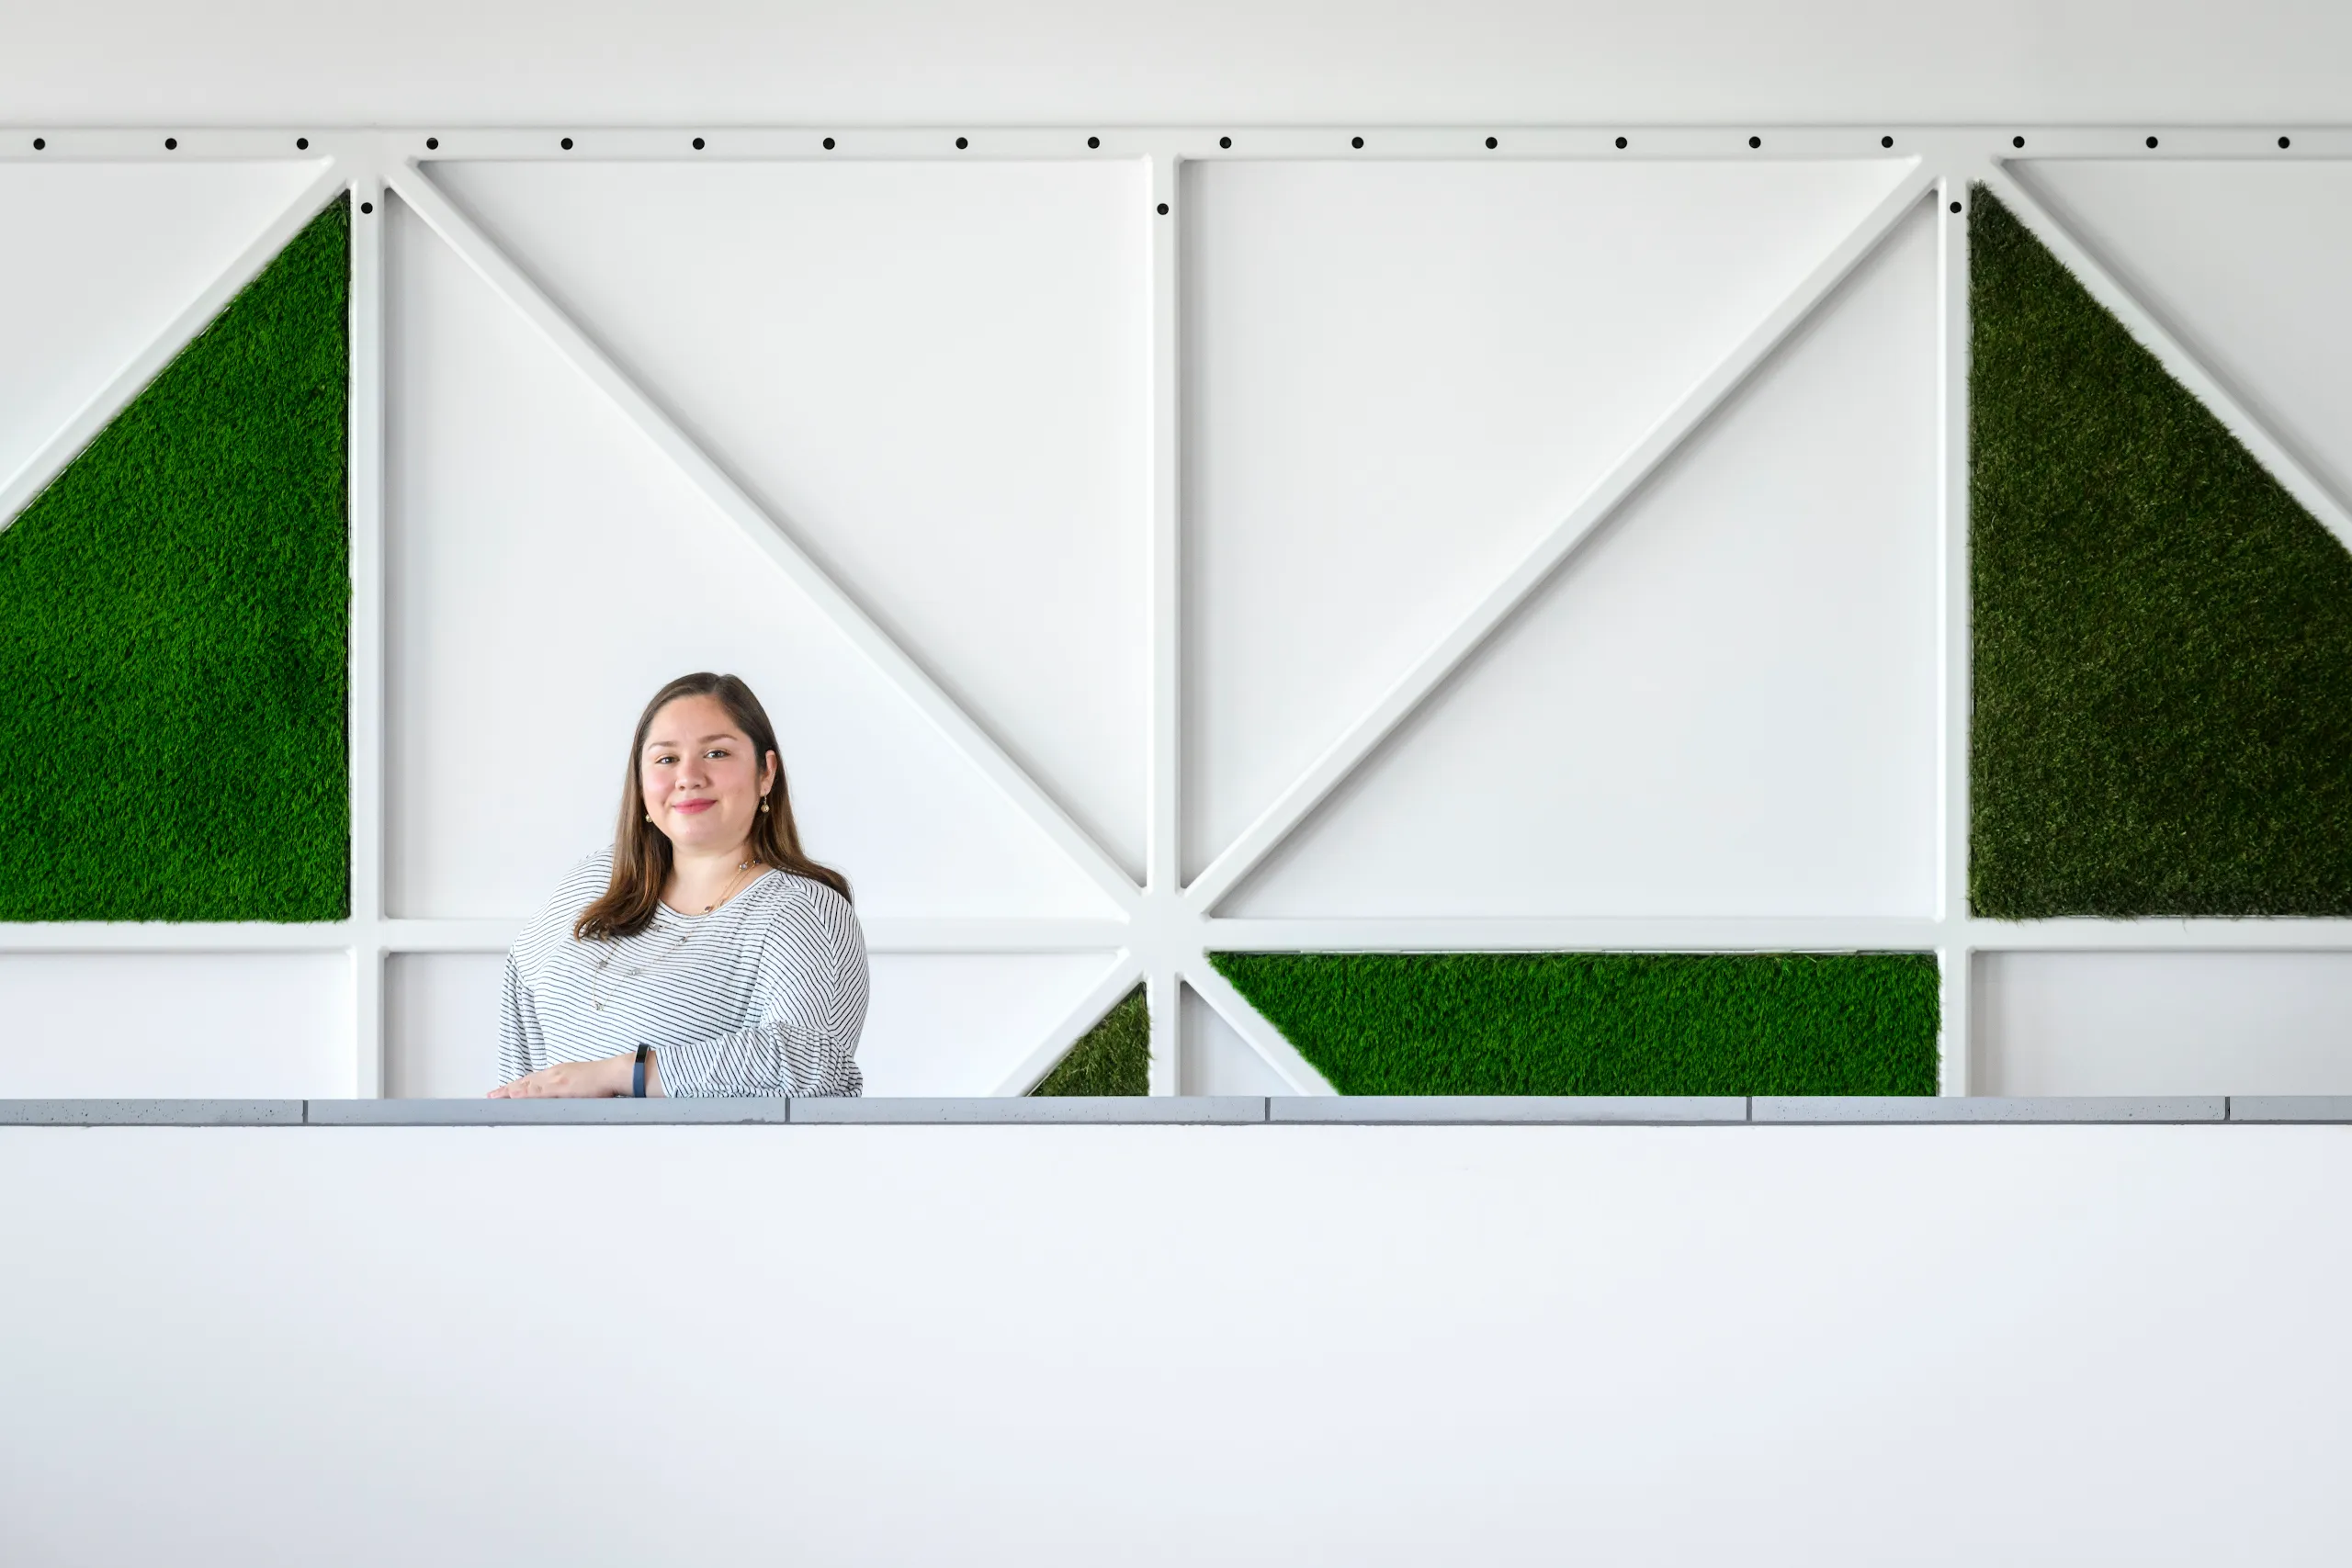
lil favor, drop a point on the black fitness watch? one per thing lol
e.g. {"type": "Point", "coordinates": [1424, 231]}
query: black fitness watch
{"type": "Point", "coordinates": [637, 1073]}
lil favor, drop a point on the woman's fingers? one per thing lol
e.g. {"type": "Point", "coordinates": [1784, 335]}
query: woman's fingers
{"type": "Point", "coordinates": [571, 1081]}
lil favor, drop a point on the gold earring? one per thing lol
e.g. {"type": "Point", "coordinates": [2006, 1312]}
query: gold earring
{"type": "Point", "coordinates": [649, 818]}
{"type": "Point", "coordinates": [763, 802]}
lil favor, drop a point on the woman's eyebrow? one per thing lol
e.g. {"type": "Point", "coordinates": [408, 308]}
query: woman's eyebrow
{"type": "Point", "coordinates": [672, 745]}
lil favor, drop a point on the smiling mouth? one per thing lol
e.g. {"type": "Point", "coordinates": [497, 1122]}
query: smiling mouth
{"type": "Point", "coordinates": [690, 807]}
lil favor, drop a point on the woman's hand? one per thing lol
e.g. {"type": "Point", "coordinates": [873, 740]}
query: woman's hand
{"type": "Point", "coordinates": [603, 1079]}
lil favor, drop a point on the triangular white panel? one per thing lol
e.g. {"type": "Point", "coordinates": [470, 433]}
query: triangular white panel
{"type": "Point", "coordinates": [100, 260]}
{"type": "Point", "coordinates": [1726, 704]}
{"type": "Point", "coordinates": [1400, 375]}
{"type": "Point", "coordinates": [934, 374]}
{"type": "Point", "coordinates": [960, 1023]}
{"type": "Point", "coordinates": [2245, 262]}
{"type": "Point", "coordinates": [548, 571]}
{"type": "Point", "coordinates": [1215, 1058]}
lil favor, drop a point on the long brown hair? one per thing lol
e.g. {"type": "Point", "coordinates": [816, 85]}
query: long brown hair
{"type": "Point", "coordinates": [642, 850]}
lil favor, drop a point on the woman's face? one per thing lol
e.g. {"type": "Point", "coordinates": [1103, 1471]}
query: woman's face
{"type": "Point", "coordinates": [701, 780]}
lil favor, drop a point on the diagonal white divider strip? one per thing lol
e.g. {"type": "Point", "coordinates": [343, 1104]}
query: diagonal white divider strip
{"type": "Point", "coordinates": [1345, 754]}
{"type": "Point", "coordinates": [2210, 388]}
{"type": "Point", "coordinates": [44, 466]}
{"type": "Point", "coordinates": [508, 280]}
{"type": "Point", "coordinates": [1250, 1024]}
{"type": "Point", "coordinates": [1106, 994]}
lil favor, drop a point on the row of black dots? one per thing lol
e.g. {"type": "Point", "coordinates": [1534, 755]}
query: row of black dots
{"type": "Point", "coordinates": [433, 144]}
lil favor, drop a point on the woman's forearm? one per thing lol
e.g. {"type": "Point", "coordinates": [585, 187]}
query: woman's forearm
{"type": "Point", "coordinates": [764, 1060]}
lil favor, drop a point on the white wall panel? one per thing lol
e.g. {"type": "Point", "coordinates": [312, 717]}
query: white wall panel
{"type": "Point", "coordinates": [1401, 375]}
{"type": "Point", "coordinates": [726, 62]}
{"type": "Point", "coordinates": [1726, 704]}
{"type": "Point", "coordinates": [98, 260]}
{"type": "Point", "coordinates": [441, 1024]}
{"type": "Point", "coordinates": [933, 375]}
{"type": "Point", "coordinates": [548, 571]}
{"type": "Point", "coordinates": [2162, 1023]}
{"type": "Point", "coordinates": [1782, 1348]}
{"type": "Point", "coordinates": [175, 1025]}
{"type": "Point", "coordinates": [2245, 261]}
{"type": "Point", "coordinates": [948, 1023]}
{"type": "Point", "coordinates": [1216, 1060]}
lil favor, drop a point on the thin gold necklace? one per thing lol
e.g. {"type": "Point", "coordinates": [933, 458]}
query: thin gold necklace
{"type": "Point", "coordinates": [595, 987]}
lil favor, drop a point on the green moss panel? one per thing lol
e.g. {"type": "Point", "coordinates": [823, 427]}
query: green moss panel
{"type": "Point", "coordinates": [2162, 635]}
{"type": "Point", "coordinates": [1112, 1057]}
{"type": "Point", "coordinates": [173, 616]}
{"type": "Point", "coordinates": [1603, 1024]}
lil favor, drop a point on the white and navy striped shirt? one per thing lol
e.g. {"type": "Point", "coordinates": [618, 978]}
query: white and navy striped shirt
{"type": "Point", "coordinates": [762, 995]}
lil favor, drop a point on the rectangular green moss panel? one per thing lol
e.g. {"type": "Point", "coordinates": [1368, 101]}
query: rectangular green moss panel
{"type": "Point", "coordinates": [1603, 1024]}
{"type": "Point", "coordinates": [173, 616]}
{"type": "Point", "coordinates": [2162, 635]}
{"type": "Point", "coordinates": [1112, 1057]}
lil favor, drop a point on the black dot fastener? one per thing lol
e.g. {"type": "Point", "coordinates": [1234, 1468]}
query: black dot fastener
{"type": "Point", "coordinates": [2284, 142]}
{"type": "Point", "coordinates": [2016, 140]}
{"type": "Point", "coordinates": [1755, 142]}
{"type": "Point", "coordinates": [1492, 143]}
{"type": "Point", "coordinates": [961, 144]}
{"type": "Point", "coordinates": [1094, 142]}
{"type": "Point", "coordinates": [1224, 141]}
{"type": "Point", "coordinates": [1621, 142]}
{"type": "Point", "coordinates": [170, 143]}
{"type": "Point", "coordinates": [1163, 209]}
{"type": "Point", "coordinates": [302, 144]}
{"type": "Point", "coordinates": [433, 144]}
{"type": "Point", "coordinates": [1886, 141]}
{"type": "Point", "coordinates": [829, 143]}
{"type": "Point", "coordinates": [699, 143]}
{"type": "Point", "coordinates": [1955, 206]}
{"type": "Point", "coordinates": [40, 142]}
{"type": "Point", "coordinates": [367, 207]}
{"type": "Point", "coordinates": [2151, 142]}
{"type": "Point", "coordinates": [567, 143]}
{"type": "Point", "coordinates": [1356, 141]}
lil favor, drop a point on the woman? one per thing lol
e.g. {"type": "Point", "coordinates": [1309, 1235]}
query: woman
{"type": "Point", "coordinates": [703, 953]}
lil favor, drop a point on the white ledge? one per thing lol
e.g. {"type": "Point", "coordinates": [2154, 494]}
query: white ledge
{"type": "Point", "coordinates": [1189, 1110]}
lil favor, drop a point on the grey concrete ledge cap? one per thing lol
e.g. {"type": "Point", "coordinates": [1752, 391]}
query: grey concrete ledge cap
{"type": "Point", "coordinates": [1366, 1109]}
{"type": "Point", "coordinates": [151, 1112]}
{"type": "Point", "coordinates": [541, 1112]}
{"type": "Point", "coordinates": [2291, 1108]}
{"type": "Point", "coordinates": [1121, 1109]}
{"type": "Point", "coordinates": [1987, 1108]}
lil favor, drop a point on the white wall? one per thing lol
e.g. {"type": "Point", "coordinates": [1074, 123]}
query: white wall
{"type": "Point", "coordinates": [1388, 382]}
{"type": "Point", "coordinates": [1730, 721]}
{"type": "Point", "coordinates": [1773, 1345]}
{"type": "Point", "coordinates": [737, 62]}
{"type": "Point", "coordinates": [2164, 1023]}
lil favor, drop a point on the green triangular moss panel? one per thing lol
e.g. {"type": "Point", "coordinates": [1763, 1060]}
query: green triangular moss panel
{"type": "Point", "coordinates": [2162, 635]}
{"type": "Point", "coordinates": [1112, 1057]}
{"type": "Point", "coordinates": [1603, 1024]}
{"type": "Point", "coordinates": [173, 614]}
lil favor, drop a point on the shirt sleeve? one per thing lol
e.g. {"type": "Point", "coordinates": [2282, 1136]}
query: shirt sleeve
{"type": "Point", "coordinates": [521, 1048]}
{"type": "Point", "coordinates": [810, 991]}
